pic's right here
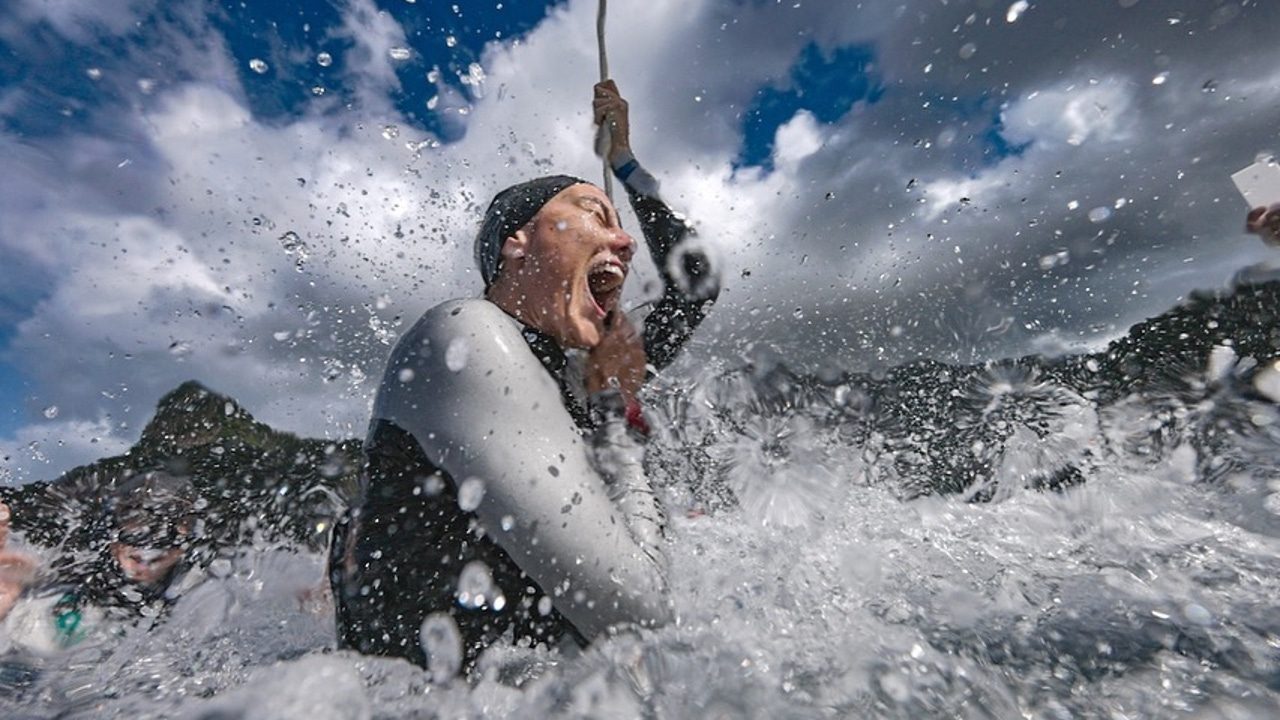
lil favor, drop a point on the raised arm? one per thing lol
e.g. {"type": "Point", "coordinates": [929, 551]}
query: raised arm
{"type": "Point", "coordinates": [690, 282]}
{"type": "Point", "coordinates": [481, 406]}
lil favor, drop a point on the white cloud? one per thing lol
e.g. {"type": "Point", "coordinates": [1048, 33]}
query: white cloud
{"type": "Point", "coordinates": [1076, 113]}
{"type": "Point", "coordinates": [276, 260]}
{"type": "Point", "coordinates": [375, 35]}
{"type": "Point", "coordinates": [797, 139]}
{"type": "Point", "coordinates": [42, 450]}
{"type": "Point", "coordinates": [80, 20]}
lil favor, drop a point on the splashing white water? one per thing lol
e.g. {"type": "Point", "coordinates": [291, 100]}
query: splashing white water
{"type": "Point", "coordinates": [1137, 586]}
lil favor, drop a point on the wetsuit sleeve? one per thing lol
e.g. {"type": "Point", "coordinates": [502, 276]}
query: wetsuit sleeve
{"type": "Point", "coordinates": [620, 459]}
{"type": "Point", "coordinates": [690, 282]}
{"type": "Point", "coordinates": [480, 405]}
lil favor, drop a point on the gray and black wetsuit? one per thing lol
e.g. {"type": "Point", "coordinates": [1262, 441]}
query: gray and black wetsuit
{"type": "Point", "coordinates": [493, 494]}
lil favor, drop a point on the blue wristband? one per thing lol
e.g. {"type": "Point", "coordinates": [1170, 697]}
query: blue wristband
{"type": "Point", "coordinates": [622, 172]}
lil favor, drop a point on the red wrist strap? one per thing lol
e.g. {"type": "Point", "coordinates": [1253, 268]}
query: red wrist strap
{"type": "Point", "coordinates": [635, 417]}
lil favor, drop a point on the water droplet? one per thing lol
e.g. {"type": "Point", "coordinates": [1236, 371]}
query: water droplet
{"type": "Point", "coordinates": [433, 485]}
{"type": "Point", "coordinates": [432, 102]}
{"type": "Point", "coordinates": [1073, 205]}
{"type": "Point", "coordinates": [895, 686]}
{"type": "Point", "coordinates": [390, 132]}
{"type": "Point", "coordinates": [968, 50]}
{"type": "Point", "coordinates": [51, 412]}
{"type": "Point", "coordinates": [1100, 214]}
{"type": "Point", "coordinates": [180, 348]}
{"type": "Point", "coordinates": [1016, 10]}
{"type": "Point", "coordinates": [399, 53]}
{"type": "Point", "coordinates": [508, 522]}
{"type": "Point", "coordinates": [455, 357]}
{"type": "Point", "coordinates": [470, 493]}
{"type": "Point", "coordinates": [1160, 79]}
{"type": "Point", "coordinates": [1197, 614]}
{"type": "Point", "coordinates": [94, 73]}
{"type": "Point", "coordinates": [295, 246]}
{"type": "Point", "coordinates": [544, 606]}
{"type": "Point", "coordinates": [318, 90]}
{"type": "Point", "coordinates": [474, 76]}
{"type": "Point", "coordinates": [228, 409]}
{"type": "Point", "coordinates": [405, 375]}
{"type": "Point", "coordinates": [1267, 382]}
{"type": "Point", "coordinates": [1209, 86]}
{"type": "Point", "coordinates": [442, 644]}
{"type": "Point", "coordinates": [324, 59]}
{"type": "Point", "coordinates": [451, 41]}
{"type": "Point", "coordinates": [1054, 260]}
{"type": "Point", "coordinates": [475, 586]}
{"type": "Point", "coordinates": [1272, 503]}
{"type": "Point", "coordinates": [281, 335]}
{"type": "Point", "coordinates": [258, 65]}
{"type": "Point", "coordinates": [146, 85]}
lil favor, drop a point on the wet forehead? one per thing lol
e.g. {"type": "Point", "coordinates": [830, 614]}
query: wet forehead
{"type": "Point", "coordinates": [586, 196]}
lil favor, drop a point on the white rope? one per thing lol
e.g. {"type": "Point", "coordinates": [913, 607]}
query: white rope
{"type": "Point", "coordinates": [603, 140]}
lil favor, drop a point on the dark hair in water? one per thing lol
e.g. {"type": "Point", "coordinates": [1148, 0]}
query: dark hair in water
{"type": "Point", "coordinates": [153, 508]}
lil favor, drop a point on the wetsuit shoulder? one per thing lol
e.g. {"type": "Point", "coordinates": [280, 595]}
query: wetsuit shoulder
{"type": "Point", "coordinates": [454, 346]}
{"type": "Point", "coordinates": [465, 384]}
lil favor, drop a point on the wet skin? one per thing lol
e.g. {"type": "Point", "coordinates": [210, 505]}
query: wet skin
{"type": "Point", "coordinates": [16, 569]}
{"type": "Point", "coordinates": [563, 272]}
{"type": "Point", "coordinates": [1265, 223]}
{"type": "Point", "coordinates": [145, 566]}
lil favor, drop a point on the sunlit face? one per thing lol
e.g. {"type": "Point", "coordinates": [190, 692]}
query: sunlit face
{"type": "Point", "coordinates": [145, 566]}
{"type": "Point", "coordinates": [568, 266]}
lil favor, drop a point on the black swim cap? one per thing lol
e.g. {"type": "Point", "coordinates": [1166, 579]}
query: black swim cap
{"type": "Point", "coordinates": [511, 210]}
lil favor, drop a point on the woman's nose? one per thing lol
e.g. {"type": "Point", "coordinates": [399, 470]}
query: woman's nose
{"type": "Point", "coordinates": [623, 245]}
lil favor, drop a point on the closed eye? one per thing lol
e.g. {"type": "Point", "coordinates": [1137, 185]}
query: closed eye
{"type": "Point", "coordinates": [598, 209]}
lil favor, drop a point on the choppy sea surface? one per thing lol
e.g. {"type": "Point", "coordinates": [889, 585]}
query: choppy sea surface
{"type": "Point", "coordinates": [1096, 554]}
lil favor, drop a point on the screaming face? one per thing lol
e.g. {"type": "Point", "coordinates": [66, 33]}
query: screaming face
{"type": "Point", "coordinates": [564, 271]}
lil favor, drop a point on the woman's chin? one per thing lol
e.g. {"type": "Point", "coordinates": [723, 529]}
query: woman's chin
{"type": "Point", "coordinates": [584, 334]}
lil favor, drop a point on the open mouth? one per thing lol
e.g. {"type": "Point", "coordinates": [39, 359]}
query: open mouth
{"type": "Point", "coordinates": [604, 283]}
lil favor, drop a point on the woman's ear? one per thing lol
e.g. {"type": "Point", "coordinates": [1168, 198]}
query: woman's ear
{"type": "Point", "coordinates": [515, 247]}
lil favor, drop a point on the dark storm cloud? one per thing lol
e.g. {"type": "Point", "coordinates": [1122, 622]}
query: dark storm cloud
{"type": "Point", "coordinates": [1125, 123]}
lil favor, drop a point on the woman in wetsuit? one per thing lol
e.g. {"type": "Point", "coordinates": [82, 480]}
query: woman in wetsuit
{"type": "Point", "coordinates": [504, 496]}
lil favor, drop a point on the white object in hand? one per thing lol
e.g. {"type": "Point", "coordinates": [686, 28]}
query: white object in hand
{"type": "Point", "coordinates": [1259, 183]}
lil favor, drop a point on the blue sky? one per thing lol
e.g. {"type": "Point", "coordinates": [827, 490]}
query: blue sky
{"type": "Point", "coordinates": [957, 181]}
{"type": "Point", "coordinates": [68, 100]}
